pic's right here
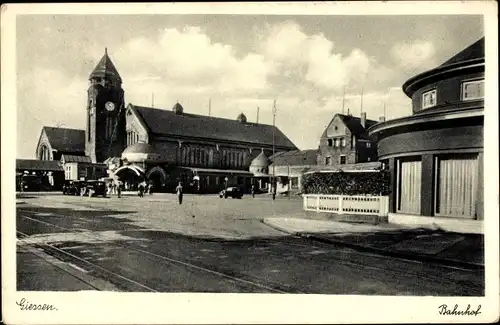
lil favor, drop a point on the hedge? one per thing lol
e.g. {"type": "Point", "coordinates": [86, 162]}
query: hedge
{"type": "Point", "coordinates": [352, 183]}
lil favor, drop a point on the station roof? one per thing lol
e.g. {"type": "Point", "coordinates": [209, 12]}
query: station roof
{"type": "Point", "coordinates": [167, 122]}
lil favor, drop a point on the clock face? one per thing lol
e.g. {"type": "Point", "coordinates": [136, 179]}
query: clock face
{"type": "Point", "coordinates": [109, 106]}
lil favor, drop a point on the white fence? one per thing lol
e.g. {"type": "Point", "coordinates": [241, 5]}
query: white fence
{"type": "Point", "coordinates": [345, 204]}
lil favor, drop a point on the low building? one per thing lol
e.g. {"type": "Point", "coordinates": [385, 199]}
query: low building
{"type": "Point", "coordinates": [81, 168]}
{"type": "Point", "coordinates": [436, 155]}
{"type": "Point", "coordinates": [48, 174]}
{"type": "Point", "coordinates": [289, 167]}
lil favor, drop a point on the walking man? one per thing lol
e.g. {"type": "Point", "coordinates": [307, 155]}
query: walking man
{"type": "Point", "coordinates": [253, 190]}
{"type": "Point", "coordinates": [178, 189]}
{"type": "Point", "coordinates": [141, 190]}
{"type": "Point", "coordinates": [119, 189]}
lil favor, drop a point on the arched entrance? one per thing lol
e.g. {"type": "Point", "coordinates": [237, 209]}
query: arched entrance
{"type": "Point", "coordinates": [130, 176]}
{"type": "Point", "coordinates": [158, 178]}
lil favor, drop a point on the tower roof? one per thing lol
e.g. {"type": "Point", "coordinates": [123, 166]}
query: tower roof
{"type": "Point", "coordinates": [260, 161]}
{"type": "Point", "coordinates": [241, 118]}
{"type": "Point", "coordinates": [105, 68]}
{"type": "Point", "coordinates": [474, 51]}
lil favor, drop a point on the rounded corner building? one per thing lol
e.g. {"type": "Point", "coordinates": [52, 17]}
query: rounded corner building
{"type": "Point", "coordinates": [436, 155]}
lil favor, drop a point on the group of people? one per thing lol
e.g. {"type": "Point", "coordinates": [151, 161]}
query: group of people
{"type": "Point", "coordinates": [144, 188]}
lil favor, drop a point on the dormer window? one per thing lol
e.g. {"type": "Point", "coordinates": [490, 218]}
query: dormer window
{"type": "Point", "coordinates": [473, 89]}
{"type": "Point", "coordinates": [429, 99]}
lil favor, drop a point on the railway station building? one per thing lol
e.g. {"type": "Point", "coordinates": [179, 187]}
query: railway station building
{"type": "Point", "coordinates": [163, 146]}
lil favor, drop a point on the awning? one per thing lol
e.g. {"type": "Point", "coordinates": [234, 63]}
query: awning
{"type": "Point", "coordinates": [38, 165]}
{"type": "Point", "coordinates": [138, 170]}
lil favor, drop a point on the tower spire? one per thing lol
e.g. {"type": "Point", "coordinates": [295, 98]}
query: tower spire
{"type": "Point", "coordinates": [106, 50]}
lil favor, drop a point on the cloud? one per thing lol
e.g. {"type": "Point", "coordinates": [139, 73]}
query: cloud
{"type": "Point", "coordinates": [48, 97]}
{"type": "Point", "coordinates": [189, 56]}
{"type": "Point", "coordinates": [291, 49]}
{"type": "Point", "coordinates": [414, 55]}
{"type": "Point", "coordinates": [305, 73]}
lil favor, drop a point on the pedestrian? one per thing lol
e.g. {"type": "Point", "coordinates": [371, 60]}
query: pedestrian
{"type": "Point", "coordinates": [119, 190]}
{"type": "Point", "coordinates": [178, 189]}
{"type": "Point", "coordinates": [141, 189]}
{"type": "Point", "coordinates": [253, 190]}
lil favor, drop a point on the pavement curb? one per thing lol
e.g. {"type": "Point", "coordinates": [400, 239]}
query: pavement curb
{"type": "Point", "coordinates": [383, 252]}
{"type": "Point", "coordinates": [97, 283]}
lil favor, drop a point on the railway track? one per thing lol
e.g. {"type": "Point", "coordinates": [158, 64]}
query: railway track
{"type": "Point", "coordinates": [359, 262]}
{"type": "Point", "coordinates": [245, 281]}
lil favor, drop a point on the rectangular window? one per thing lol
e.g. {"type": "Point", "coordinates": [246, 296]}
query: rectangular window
{"type": "Point", "coordinates": [294, 182]}
{"type": "Point", "coordinates": [429, 98]}
{"type": "Point", "coordinates": [368, 145]}
{"type": "Point", "coordinates": [473, 90]}
{"type": "Point", "coordinates": [328, 160]}
{"type": "Point", "coordinates": [342, 142]}
{"type": "Point", "coordinates": [456, 185]}
{"type": "Point", "coordinates": [409, 175]}
{"type": "Point", "coordinates": [342, 160]}
{"type": "Point", "coordinates": [337, 143]}
{"type": "Point", "coordinates": [330, 142]}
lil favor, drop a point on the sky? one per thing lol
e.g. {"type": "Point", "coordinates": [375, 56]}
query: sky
{"type": "Point", "coordinates": [239, 62]}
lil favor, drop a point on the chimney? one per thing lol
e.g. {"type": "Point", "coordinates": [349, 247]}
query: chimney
{"type": "Point", "coordinates": [381, 119]}
{"type": "Point", "coordinates": [363, 120]}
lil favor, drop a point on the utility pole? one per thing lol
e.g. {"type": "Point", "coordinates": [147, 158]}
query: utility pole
{"type": "Point", "coordinates": [343, 101]}
{"type": "Point", "coordinates": [273, 185]}
{"type": "Point", "coordinates": [153, 100]}
{"type": "Point", "coordinates": [385, 104]}
{"type": "Point", "coordinates": [361, 101]}
{"type": "Point", "coordinates": [258, 108]}
{"type": "Point", "coordinates": [289, 184]}
{"type": "Point", "coordinates": [210, 107]}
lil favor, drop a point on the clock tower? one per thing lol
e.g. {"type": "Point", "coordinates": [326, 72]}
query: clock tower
{"type": "Point", "coordinates": [105, 131]}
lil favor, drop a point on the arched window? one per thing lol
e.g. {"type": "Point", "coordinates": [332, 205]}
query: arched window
{"type": "Point", "coordinates": [44, 153]}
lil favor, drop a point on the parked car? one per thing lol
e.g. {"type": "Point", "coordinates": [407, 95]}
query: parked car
{"type": "Point", "coordinates": [94, 188]}
{"type": "Point", "coordinates": [73, 187]}
{"type": "Point", "coordinates": [233, 192]}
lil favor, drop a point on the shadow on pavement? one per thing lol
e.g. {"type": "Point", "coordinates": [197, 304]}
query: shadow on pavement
{"type": "Point", "coordinates": [436, 244]}
{"type": "Point", "coordinates": [67, 220]}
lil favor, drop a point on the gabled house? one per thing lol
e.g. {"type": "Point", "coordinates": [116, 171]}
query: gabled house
{"type": "Point", "coordinates": [346, 141]}
{"type": "Point", "coordinates": [54, 142]}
